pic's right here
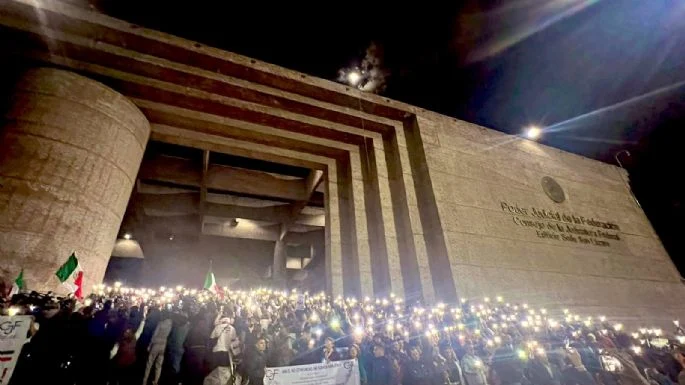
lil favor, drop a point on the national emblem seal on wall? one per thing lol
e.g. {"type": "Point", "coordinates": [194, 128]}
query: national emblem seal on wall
{"type": "Point", "coordinates": [553, 189]}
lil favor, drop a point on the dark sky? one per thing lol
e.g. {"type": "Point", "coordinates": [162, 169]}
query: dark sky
{"type": "Point", "coordinates": [602, 76]}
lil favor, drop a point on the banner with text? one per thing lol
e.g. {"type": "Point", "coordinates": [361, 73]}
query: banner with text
{"type": "Point", "coordinates": [13, 332]}
{"type": "Point", "coordinates": [332, 373]}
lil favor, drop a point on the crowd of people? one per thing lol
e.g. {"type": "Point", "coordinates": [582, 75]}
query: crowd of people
{"type": "Point", "coordinates": [121, 336]}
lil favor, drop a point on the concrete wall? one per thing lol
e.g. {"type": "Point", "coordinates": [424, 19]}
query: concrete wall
{"type": "Point", "coordinates": [414, 200]}
{"type": "Point", "coordinates": [479, 177]}
{"type": "Point", "coordinates": [70, 149]}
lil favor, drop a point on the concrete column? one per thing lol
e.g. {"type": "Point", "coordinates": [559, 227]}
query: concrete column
{"type": "Point", "coordinates": [279, 269]}
{"type": "Point", "coordinates": [70, 149]}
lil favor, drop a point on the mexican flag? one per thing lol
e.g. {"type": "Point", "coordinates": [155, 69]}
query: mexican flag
{"type": "Point", "coordinates": [71, 275]}
{"type": "Point", "coordinates": [210, 284]}
{"type": "Point", "coordinates": [18, 284]}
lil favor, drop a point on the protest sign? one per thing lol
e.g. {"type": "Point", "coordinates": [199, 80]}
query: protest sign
{"type": "Point", "coordinates": [13, 332]}
{"type": "Point", "coordinates": [300, 302]}
{"type": "Point", "coordinates": [332, 373]}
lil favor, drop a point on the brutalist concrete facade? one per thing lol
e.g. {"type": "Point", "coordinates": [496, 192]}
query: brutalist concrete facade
{"type": "Point", "coordinates": [69, 153]}
{"type": "Point", "coordinates": [417, 204]}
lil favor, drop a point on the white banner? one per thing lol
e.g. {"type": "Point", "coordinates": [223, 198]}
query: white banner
{"type": "Point", "coordinates": [13, 332]}
{"type": "Point", "coordinates": [332, 373]}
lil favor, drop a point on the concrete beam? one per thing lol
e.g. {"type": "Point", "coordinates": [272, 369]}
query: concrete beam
{"type": "Point", "coordinates": [311, 220]}
{"type": "Point", "coordinates": [172, 170]}
{"type": "Point", "coordinates": [312, 182]}
{"type": "Point", "coordinates": [310, 238]}
{"type": "Point", "coordinates": [183, 172]}
{"type": "Point", "coordinates": [252, 182]}
{"type": "Point", "coordinates": [188, 203]}
{"type": "Point", "coordinates": [270, 213]}
{"type": "Point", "coordinates": [172, 204]}
{"type": "Point", "coordinates": [245, 229]}
{"type": "Point", "coordinates": [202, 66]}
{"type": "Point", "coordinates": [189, 138]}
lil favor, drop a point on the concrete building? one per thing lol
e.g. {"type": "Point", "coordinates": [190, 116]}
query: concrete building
{"type": "Point", "coordinates": [387, 197]}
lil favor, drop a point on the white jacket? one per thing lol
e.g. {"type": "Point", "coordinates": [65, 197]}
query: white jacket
{"type": "Point", "coordinates": [227, 338]}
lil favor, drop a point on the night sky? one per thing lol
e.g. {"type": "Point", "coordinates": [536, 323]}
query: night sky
{"type": "Point", "coordinates": [601, 76]}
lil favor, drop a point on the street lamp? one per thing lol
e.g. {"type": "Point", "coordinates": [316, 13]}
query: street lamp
{"type": "Point", "coordinates": [127, 236]}
{"type": "Point", "coordinates": [353, 77]}
{"type": "Point", "coordinates": [533, 132]}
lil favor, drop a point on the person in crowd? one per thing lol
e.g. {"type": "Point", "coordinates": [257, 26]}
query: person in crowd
{"type": "Point", "coordinates": [589, 356]}
{"type": "Point", "coordinates": [631, 374]}
{"type": "Point", "coordinates": [396, 376]}
{"type": "Point", "coordinates": [135, 318]}
{"type": "Point", "coordinates": [328, 352]}
{"type": "Point", "coordinates": [151, 321]}
{"type": "Point", "coordinates": [173, 353]}
{"type": "Point", "coordinates": [156, 349]}
{"type": "Point", "coordinates": [301, 344]}
{"type": "Point", "coordinates": [194, 369]}
{"type": "Point", "coordinates": [226, 349]}
{"type": "Point", "coordinates": [473, 367]}
{"type": "Point", "coordinates": [397, 351]}
{"type": "Point", "coordinates": [452, 368]}
{"type": "Point", "coordinates": [417, 371]}
{"type": "Point", "coordinates": [281, 353]}
{"type": "Point", "coordinates": [253, 332]}
{"type": "Point", "coordinates": [506, 365]}
{"type": "Point", "coordinates": [679, 356]}
{"type": "Point", "coordinates": [353, 354]}
{"type": "Point", "coordinates": [574, 372]}
{"type": "Point", "coordinates": [256, 362]}
{"type": "Point", "coordinates": [540, 371]}
{"type": "Point", "coordinates": [123, 365]}
{"type": "Point", "coordinates": [71, 342]}
{"type": "Point", "coordinates": [380, 371]}
{"type": "Point", "coordinates": [116, 325]}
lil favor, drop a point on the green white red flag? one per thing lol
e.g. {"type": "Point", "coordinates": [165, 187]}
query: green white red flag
{"type": "Point", "coordinates": [211, 285]}
{"type": "Point", "coordinates": [210, 282]}
{"type": "Point", "coordinates": [71, 276]}
{"type": "Point", "coordinates": [18, 285]}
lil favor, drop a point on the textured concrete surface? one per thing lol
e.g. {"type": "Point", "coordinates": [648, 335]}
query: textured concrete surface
{"type": "Point", "coordinates": [414, 199]}
{"type": "Point", "coordinates": [69, 153]}
{"type": "Point", "coordinates": [473, 171]}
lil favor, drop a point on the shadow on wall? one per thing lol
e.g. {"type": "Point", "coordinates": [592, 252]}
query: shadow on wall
{"type": "Point", "coordinates": [185, 261]}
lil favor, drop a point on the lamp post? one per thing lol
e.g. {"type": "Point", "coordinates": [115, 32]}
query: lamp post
{"type": "Point", "coordinates": [618, 161]}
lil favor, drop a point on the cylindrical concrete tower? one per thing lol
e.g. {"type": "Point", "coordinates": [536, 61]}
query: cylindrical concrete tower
{"type": "Point", "coordinates": [70, 149]}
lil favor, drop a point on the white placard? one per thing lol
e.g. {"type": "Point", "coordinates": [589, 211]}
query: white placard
{"type": "Point", "coordinates": [332, 373]}
{"type": "Point", "coordinates": [13, 332]}
{"type": "Point", "coordinates": [300, 302]}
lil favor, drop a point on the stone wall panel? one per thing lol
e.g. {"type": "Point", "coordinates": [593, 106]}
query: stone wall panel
{"type": "Point", "coordinates": [69, 154]}
{"type": "Point", "coordinates": [473, 170]}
